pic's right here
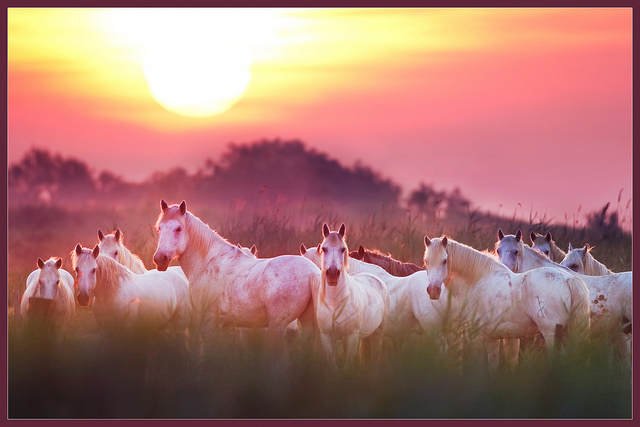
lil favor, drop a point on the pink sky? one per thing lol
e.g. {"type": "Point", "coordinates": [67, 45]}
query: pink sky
{"type": "Point", "coordinates": [513, 106]}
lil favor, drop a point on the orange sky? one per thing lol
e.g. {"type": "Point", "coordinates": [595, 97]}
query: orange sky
{"type": "Point", "coordinates": [513, 106]}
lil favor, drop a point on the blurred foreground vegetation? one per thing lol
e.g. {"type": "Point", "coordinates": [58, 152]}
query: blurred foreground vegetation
{"type": "Point", "coordinates": [95, 377]}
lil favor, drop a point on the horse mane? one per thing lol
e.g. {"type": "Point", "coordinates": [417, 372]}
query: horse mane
{"type": "Point", "coordinates": [390, 264]}
{"type": "Point", "coordinates": [110, 273]}
{"type": "Point", "coordinates": [556, 253]}
{"type": "Point", "coordinates": [474, 263]}
{"type": "Point", "coordinates": [130, 260]}
{"type": "Point", "coordinates": [201, 236]}
{"type": "Point", "coordinates": [592, 267]}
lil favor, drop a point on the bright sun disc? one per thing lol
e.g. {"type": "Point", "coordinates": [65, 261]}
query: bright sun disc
{"type": "Point", "coordinates": [197, 81]}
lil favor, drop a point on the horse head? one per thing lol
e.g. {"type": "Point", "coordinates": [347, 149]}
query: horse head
{"type": "Point", "coordinates": [334, 254]}
{"type": "Point", "coordinates": [510, 249]}
{"type": "Point", "coordinates": [111, 244]}
{"type": "Point", "coordinates": [172, 236]}
{"type": "Point", "coordinates": [541, 243]}
{"type": "Point", "coordinates": [48, 278]}
{"type": "Point", "coordinates": [435, 261]}
{"type": "Point", "coordinates": [85, 265]}
{"type": "Point", "coordinates": [576, 258]}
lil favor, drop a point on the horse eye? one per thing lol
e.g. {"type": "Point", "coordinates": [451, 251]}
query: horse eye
{"type": "Point", "coordinates": [515, 252]}
{"type": "Point", "coordinates": [115, 253]}
{"type": "Point", "coordinates": [93, 271]}
{"type": "Point", "coordinates": [179, 229]}
{"type": "Point", "coordinates": [444, 262]}
{"type": "Point", "coordinates": [546, 253]}
{"type": "Point", "coordinates": [342, 250]}
{"type": "Point", "coordinates": [574, 267]}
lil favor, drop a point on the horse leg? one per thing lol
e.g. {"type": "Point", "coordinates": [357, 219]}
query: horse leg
{"type": "Point", "coordinates": [374, 344]}
{"type": "Point", "coordinates": [511, 349]}
{"type": "Point", "coordinates": [351, 344]}
{"type": "Point", "coordinates": [328, 346]}
{"type": "Point", "coordinates": [493, 353]}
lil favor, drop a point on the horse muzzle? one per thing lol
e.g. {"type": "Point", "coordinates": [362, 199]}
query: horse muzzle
{"type": "Point", "coordinates": [83, 299]}
{"type": "Point", "coordinates": [434, 291]}
{"type": "Point", "coordinates": [333, 275]}
{"type": "Point", "coordinates": [161, 261]}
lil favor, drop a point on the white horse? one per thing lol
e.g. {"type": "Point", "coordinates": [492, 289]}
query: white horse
{"type": "Point", "coordinates": [547, 246]}
{"type": "Point", "coordinates": [410, 308]}
{"type": "Point", "coordinates": [112, 246]}
{"type": "Point", "coordinates": [611, 299]}
{"type": "Point", "coordinates": [51, 284]}
{"type": "Point", "coordinates": [507, 304]}
{"type": "Point", "coordinates": [581, 261]}
{"type": "Point", "coordinates": [123, 301]}
{"type": "Point", "coordinates": [351, 308]}
{"type": "Point", "coordinates": [231, 288]}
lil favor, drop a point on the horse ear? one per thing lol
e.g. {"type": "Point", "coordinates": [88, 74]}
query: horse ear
{"type": "Point", "coordinates": [518, 235]}
{"type": "Point", "coordinates": [163, 205]}
{"type": "Point", "coordinates": [100, 235]}
{"type": "Point", "coordinates": [96, 251]}
{"type": "Point", "coordinates": [342, 230]}
{"type": "Point", "coordinates": [548, 237]}
{"type": "Point", "coordinates": [118, 235]}
{"type": "Point", "coordinates": [303, 249]}
{"type": "Point", "coordinates": [59, 263]}
{"type": "Point", "coordinates": [427, 241]}
{"type": "Point", "coordinates": [40, 262]}
{"type": "Point", "coordinates": [319, 248]}
{"type": "Point", "coordinates": [253, 249]}
{"type": "Point", "coordinates": [78, 249]}
{"type": "Point", "coordinates": [325, 230]}
{"type": "Point", "coordinates": [588, 247]}
{"type": "Point", "coordinates": [570, 247]}
{"type": "Point", "coordinates": [444, 241]}
{"type": "Point", "coordinates": [183, 207]}
{"type": "Point", "coordinates": [500, 234]}
{"type": "Point", "coordinates": [532, 236]}
{"type": "Point", "coordinates": [361, 251]}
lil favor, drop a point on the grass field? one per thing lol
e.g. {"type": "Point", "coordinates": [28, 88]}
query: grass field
{"type": "Point", "coordinates": [95, 377]}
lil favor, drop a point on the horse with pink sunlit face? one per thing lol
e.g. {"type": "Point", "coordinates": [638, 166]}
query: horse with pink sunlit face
{"type": "Point", "coordinates": [507, 304]}
{"type": "Point", "coordinates": [123, 301]}
{"type": "Point", "coordinates": [230, 288]}
{"type": "Point", "coordinates": [351, 308]}
{"type": "Point", "coordinates": [581, 261]}
{"type": "Point", "coordinates": [547, 246]}
{"type": "Point", "coordinates": [611, 299]}
{"type": "Point", "coordinates": [53, 286]}
{"type": "Point", "coordinates": [112, 245]}
{"type": "Point", "coordinates": [410, 308]}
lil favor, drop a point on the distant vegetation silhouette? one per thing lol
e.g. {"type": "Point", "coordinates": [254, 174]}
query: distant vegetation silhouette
{"type": "Point", "coordinates": [249, 174]}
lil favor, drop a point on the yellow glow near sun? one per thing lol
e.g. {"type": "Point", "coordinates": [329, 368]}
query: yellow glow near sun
{"type": "Point", "coordinates": [197, 62]}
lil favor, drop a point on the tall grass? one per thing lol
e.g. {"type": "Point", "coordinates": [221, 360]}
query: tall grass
{"type": "Point", "coordinates": [434, 376]}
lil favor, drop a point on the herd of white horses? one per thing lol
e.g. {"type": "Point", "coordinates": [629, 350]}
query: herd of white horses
{"type": "Point", "coordinates": [516, 292]}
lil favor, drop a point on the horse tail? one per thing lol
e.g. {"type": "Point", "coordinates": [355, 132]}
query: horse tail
{"type": "Point", "coordinates": [579, 324]}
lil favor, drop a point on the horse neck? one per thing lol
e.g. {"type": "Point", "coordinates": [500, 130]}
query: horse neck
{"type": "Point", "coordinates": [338, 292]}
{"type": "Point", "coordinates": [468, 264]}
{"type": "Point", "coordinates": [109, 277]}
{"type": "Point", "coordinates": [593, 267]}
{"type": "Point", "coordinates": [555, 253]}
{"type": "Point", "coordinates": [130, 260]}
{"type": "Point", "coordinates": [204, 245]}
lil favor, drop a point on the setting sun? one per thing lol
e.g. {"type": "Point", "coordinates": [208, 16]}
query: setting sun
{"type": "Point", "coordinates": [196, 80]}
